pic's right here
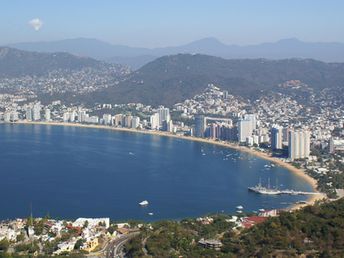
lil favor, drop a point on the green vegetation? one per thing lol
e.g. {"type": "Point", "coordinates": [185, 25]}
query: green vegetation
{"type": "Point", "coordinates": [29, 248]}
{"type": "Point", "coordinates": [6, 255]}
{"type": "Point", "coordinates": [16, 62]}
{"type": "Point", "coordinates": [315, 231]}
{"type": "Point", "coordinates": [334, 178]}
{"type": "Point", "coordinates": [176, 116]}
{"type": "Point", "coordinates": [4, 244]}
{"type": "Point", "coordinates": [171, 79]}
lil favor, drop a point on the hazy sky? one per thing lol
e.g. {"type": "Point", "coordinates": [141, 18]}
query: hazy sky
{"type": "Point", "coordinates": [154, 23]}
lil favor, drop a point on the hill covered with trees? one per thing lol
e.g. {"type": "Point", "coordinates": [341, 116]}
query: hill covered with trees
{"type": "Point", "coordinates": [315, 231]}
{"type": "Point", "coordinates": [171, 79]}
{"type": "Point", "coordinates": [16, 63]}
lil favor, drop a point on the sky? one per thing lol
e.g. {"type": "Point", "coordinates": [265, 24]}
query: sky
{"type": "Point", "coordinates": [159, 23]}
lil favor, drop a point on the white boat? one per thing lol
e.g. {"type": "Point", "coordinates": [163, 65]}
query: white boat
{"type": "Point", "coordinates": [239, 207]}
{"type": "Point", "coordinates": [144, 203]}
{"type": "Point", "coordinates": [150, 213]}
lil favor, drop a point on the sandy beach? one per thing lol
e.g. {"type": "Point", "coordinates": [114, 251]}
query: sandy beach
{"type": "Point", "coordinates": [299, 172]}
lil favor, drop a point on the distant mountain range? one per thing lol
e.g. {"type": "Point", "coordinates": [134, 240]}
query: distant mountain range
{"type": "Point", "coordinates": [137, 57]}
{"type": "Point", "coordinates": [171, 79]}
{"type": "Point", "coordinates": [174, 78]}
{"type": "Point", "coordinates": [14, 62]}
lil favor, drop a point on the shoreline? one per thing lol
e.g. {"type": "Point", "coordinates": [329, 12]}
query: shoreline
{"type": "Point", "coordinates": [296, 171]}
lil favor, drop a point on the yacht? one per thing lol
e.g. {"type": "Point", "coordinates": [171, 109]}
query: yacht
{"type": "Point", "coordinates": [264, 190]}
{"type": "Point", "coordinates": [144, 203]}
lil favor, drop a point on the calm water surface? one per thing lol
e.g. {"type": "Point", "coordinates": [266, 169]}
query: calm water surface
{"type": "Point", "coordinates": [71, 172]}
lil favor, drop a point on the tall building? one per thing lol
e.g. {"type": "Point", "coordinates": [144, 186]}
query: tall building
{"type": "Point", "coordinates": [7, 117]}
{"type": "Point", "coordinates": [246, 126]}
{"type": "Point", "coordinates": [285, 135]}
{"type": "Point", "coordinates": [200, 125]}
{"type": "Point", "coordinates": [154, 121]}
{"type": "Point", "coordinates": [72, 116]}
{"type": "Point", "coordinates": [276, 137]}
{"type": "Point", "coordinates": [135, 122]}
{"type": "Point", "coordinates": [164, 115]}
{"type": "Point", "coordinates": [66, 117]}
{"type": "Point", "coordinates": [47, 115]}
{"type": "Point", "coordinates": [117, 120]}
{"type": "Point", "coordinates": [299, 144]}
{"type": "Point", "coordinates": [170, 127]}
{"type": "Point", "coordinates": [214, 131]}
{"type": "Point", "coordinates": [107, 118]}
{"type": "Point", "coordinates": [36, 112]}
{"type": "Point", "coordinates": [253, 119]}
{"type": "Point", "coordinates": [82, 116]}
{"type": "Point", "coordinates": [127, 121]}
{"type": "Point", "coordinates": [28, 114]}
{"type": "Point", "coordinates": [244, 129]}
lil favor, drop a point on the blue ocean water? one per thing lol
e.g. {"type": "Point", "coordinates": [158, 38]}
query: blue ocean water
{"type": "Point", "coordinates": [70, 172]}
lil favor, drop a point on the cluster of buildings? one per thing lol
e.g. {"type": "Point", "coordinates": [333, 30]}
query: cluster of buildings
{"type": "Point", "coordinates": [336, 145]}
{"type": "Point", "coordinates": [279, 120]}
{"type": "Point", "coordinates": [237, 222]}
{"type": "Point", "coordinates": [83, 234]}
{"type": "Point", "coordinates": [247, 131]}
{"type": "Point", "coordinates": [159, 120]}
{"type": "Point", "coordinates": [150, 118]}
{"type": "Point", "coordinates": [82, 81]}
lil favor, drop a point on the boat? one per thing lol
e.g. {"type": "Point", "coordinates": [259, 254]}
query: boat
{"type": "Point", "coordinates": [239, 207]}
{"type": "Point", "coordinates": [150, 213]}
{"type": "Point", "coordinates": [144, 203]}
{"type": "Point", "coordinates": [264, 190]}
{"type": "Point", "coordinates": [301, 202]}
{"type": "Point", "coordinates": [275, 191]}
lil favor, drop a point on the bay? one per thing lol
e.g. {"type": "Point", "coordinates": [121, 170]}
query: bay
{"type": "Point", "coordinates": [70, 172]}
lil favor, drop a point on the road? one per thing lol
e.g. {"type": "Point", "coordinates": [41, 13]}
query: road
{"type": "Point", "coordinates": [115, 248]}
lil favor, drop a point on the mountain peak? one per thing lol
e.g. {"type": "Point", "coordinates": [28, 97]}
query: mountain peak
{"type": "Point", "coordinates": [209, 41]}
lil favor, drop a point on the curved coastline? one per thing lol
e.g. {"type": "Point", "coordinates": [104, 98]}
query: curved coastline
{"type": "Point", "coordinates": [299, 172]}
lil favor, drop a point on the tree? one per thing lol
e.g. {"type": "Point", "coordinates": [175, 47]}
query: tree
{"type": "Point", "coordinates": [21, 237]}
{"type": "Point", "coordinates": [4, 244]}
{"type": "Point", "coordinates": [112, 229]}
{"type": "Point", "coordinates": [85, 224]}
{"type": "Point", "coordinates": [79, 243]}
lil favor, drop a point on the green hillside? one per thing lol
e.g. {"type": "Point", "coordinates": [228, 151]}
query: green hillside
{"type": "Point", "coordinates": [315, 231]}
{"type": "Point", "coordinates": [172, 79]}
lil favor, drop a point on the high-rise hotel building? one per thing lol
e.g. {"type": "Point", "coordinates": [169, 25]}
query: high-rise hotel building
{"type": "Point", "coordinates": [200, 125]}
{"type": "Point", "coordinates": [246, 126]}
{"type": "Point", "coordinates": [276, 137]}
{"type": "Point", "coordinates": [299, 144]}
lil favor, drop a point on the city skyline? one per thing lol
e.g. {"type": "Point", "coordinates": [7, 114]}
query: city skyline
{"type": "Point", "coordinates": [149, 128]}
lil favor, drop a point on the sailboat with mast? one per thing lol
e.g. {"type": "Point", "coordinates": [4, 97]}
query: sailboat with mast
{"type": "Point", "coordinates": [264, 190]}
